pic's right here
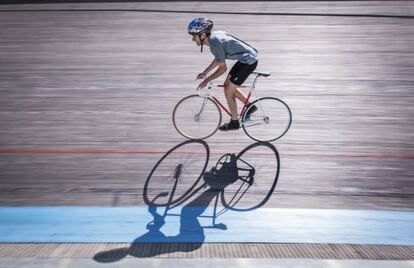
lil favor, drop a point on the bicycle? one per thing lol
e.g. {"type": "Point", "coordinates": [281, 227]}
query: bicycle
{"type": "Point", "coordinates": [199, 116]}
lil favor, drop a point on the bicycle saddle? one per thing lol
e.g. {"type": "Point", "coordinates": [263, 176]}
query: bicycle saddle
{"type": "Point", "coordinates": [265, 74]}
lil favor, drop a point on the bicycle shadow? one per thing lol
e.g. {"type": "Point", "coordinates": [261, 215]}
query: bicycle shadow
{"type": "Point", "coordinates": [191, 235]}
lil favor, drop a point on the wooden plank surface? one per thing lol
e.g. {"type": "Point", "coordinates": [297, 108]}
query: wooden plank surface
{"type": "Point", "coordinates": [109, 80]}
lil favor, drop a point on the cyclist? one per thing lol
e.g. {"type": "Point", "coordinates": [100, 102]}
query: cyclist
{"type": "Point", "coordinates": [225, 46]}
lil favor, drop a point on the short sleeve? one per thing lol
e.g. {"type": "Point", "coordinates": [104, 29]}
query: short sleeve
{"type": "Point", "coordinates": [217, 49]}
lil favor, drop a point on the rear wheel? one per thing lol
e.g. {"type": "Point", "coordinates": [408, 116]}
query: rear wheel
{"type": "Point", "coordinates": [270, 122]}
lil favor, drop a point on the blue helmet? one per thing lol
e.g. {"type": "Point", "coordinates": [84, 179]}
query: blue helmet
{"type": "Point", "coordinates": [200, 25]}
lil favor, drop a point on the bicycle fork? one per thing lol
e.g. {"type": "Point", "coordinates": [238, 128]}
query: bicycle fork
{"type": "Point", "coordinates": [197, 115]}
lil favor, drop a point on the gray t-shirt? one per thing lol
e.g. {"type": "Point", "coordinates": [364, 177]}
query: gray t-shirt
{"type": "Point", "coordinates": [225, 46]}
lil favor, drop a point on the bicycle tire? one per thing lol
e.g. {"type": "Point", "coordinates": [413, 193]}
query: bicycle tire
{"type": "Point", "coordinates": [187, 123]}
{"type": "Point", "coordinates": [270, 122]}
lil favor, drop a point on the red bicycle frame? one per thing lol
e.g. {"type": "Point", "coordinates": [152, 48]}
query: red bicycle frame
{"type": "Point", "coordinates": [225, 109]}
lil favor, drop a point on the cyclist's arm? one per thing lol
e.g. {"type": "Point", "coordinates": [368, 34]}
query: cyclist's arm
{"type": "Point", "coordinates": [222, 68]}
{"type": "Point", "coordinates": [212, 66]}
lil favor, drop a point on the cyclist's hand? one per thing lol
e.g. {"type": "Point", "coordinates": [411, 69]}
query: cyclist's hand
{"type": "Point", "coordinates": [201, 76]}
{"type": "Point", "coordinates": [203, 84]}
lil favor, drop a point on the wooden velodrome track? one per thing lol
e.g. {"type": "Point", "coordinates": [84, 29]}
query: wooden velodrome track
{"type": "Point", "coordinates": [108, 80]}
{"type": "Point", "coordinates": [87, 91]}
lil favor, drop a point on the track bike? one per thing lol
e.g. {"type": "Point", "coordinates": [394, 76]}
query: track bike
{"type": "Point", "coordinates": [199, 116]}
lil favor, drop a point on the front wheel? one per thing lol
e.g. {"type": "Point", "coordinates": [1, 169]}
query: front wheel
{"type": "Point", "coordinates": [269, 122]}
{"type": "Point", "coordinates": [196, 117]}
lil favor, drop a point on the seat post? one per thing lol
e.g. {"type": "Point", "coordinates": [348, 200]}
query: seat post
{"type": "Point", "coordinates": [254, 81]}
{"type": "Point", "coordinates": [253, 86]}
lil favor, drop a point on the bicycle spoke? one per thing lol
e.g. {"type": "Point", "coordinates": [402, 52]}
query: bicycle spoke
{"type": "Point", "coordinates": [254, 122]}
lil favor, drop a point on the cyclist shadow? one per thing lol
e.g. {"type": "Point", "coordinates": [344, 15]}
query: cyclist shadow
{"type": "Point", "coordinates": [191, 234]}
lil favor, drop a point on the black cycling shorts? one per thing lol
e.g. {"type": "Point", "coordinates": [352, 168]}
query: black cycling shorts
{"type": "Point", "coordinates": [240, 72]}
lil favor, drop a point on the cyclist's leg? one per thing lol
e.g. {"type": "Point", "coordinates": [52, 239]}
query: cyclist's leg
{"type": "Point", "coordinates": [229, 91]}
{"type": "Point", "coordinates": [235, 78]}
{"type": "Point", "coordinates": [238, 74]}
{"type": "Point", "coordinates": [239, 95]}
